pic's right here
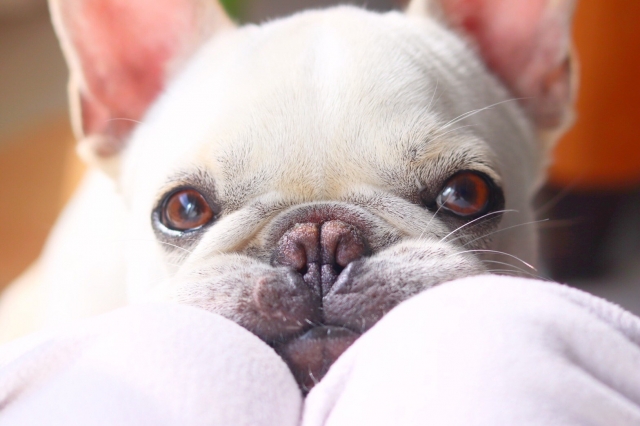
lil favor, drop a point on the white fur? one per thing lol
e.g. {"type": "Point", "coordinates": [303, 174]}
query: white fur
{"type": "Point", "coordinates": [319, 108]}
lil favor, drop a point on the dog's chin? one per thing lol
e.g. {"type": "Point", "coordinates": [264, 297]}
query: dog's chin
{"type": "Point", "coordinates": [310, 355]}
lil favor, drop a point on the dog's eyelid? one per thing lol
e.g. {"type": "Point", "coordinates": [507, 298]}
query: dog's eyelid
{"type": "Point", "coordinates": [491, 175]}
{"type": "Point", "coordinates": [483, 184]}
{"type": "Point", "coordinates": [433, 184]}
{"type": "Point", "coordinates": [198, 179]}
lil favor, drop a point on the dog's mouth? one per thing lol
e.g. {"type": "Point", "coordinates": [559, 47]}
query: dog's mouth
{"type": "Point", "coordinates": [310, 355]}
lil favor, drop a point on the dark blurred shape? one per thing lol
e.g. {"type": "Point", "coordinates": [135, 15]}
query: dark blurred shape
{"type": "Point", "coordinates": [575, 241]}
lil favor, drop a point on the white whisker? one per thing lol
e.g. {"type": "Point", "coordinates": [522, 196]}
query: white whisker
{"type": "Point", "coordinates": [499, 230]}
{"type": "Point", "coordinates": [433, 95]}
{"type": "Point", "coordinates": [516, 273]}
{"type": "Point", "coordinates": [175, 246]}
{"type": "Point", "coordinates": [159, 242]}
{"type": "Point", "coordinates": [124, 119]}
{"type": "Point", "coordinates": [144, 240]}
{"type": "Point", "coordinates": [504, 264]}
{"type": "Point", "coordinates": [439, 135]}
{"type": "Point", "coordinates": [495, 252]}
{"type": "Point", "coordinates": [476, 111]}
{"type": "Point", "coordinates": [549, 204]}
{"type": "Point", "coordinates": [434, 216]}
{"type": "Point", "coordinates": [475, 220]}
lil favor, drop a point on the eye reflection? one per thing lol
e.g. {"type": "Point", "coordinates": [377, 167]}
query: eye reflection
{"type": "Point", "coordinates": [466, 194]}
{"type": "Point", "coordinates": [186, 210]}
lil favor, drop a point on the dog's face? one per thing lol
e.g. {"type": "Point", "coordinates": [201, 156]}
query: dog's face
{"type": "Point", "coordinates": [305, 176]}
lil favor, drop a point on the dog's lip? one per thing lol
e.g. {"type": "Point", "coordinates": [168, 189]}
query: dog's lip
{"type": "Point", "coordinates": [313, 331]}
{"type": "Point", "coordinates": [311, 354]}
{"type": "Point", "coordinates": [326, 331]}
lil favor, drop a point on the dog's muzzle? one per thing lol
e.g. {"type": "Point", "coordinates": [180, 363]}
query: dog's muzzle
{"type": "Point", "coordinates": [319, 253]}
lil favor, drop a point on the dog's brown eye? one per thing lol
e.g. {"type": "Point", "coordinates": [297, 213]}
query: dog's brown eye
{"type": "Point", "coordinates": [186, 210]}
{"type": "Point", "coordinates": [465, 194]}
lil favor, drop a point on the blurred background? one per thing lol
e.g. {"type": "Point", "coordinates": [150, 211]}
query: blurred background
{"type": "Point", "coordinates": [592, 200]}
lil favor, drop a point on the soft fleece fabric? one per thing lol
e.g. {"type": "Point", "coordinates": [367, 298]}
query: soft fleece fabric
{"type": "Point", "coordinates": [478, 351]}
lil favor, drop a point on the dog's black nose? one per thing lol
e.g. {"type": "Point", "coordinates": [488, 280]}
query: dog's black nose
{"type": "Point", "coordinates": [320, 251]}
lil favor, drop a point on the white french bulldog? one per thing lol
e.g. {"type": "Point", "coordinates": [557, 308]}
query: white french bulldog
{"type": "Point", "coordinates": [304, 176]}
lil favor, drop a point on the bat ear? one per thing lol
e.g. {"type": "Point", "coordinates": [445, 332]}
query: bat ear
{"type": "Point", "coordinates": [526, 43]}
{"type": "Point", "coordinates": [120, 54]}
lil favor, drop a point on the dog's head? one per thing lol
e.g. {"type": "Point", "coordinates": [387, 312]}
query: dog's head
{"type": "Point", "coordinates": [305, 176]}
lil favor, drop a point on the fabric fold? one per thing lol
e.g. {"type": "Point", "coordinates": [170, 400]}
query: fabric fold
{"type": "Point", "coordinates": [488, 351]}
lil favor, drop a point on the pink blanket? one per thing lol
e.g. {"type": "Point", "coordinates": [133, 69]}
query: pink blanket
{"type": "Point", "coordinates": [478, 351]}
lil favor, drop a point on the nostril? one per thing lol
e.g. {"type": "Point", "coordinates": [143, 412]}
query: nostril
{"type": "Point", "coordinates": [320, 252]}
{"type": "Point", "coordinates": [341, 244]}
{"type": "Point", "coordinates": [303, 270]}
{"type": "Point", "coordinates": [298, 247]}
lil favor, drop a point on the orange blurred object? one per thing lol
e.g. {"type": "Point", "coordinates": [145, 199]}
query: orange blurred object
{"type": "Point", "coordinates": [39, 171]}
{"type": "Point", "coordinates": [602, 151]}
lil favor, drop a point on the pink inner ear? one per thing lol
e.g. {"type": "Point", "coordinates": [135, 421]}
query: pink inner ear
{"type": "Point", "coordinates": [122, 51]}
{"type": "Point", "coordinates": [525, 42]}
{"type": "Point", "coordinates": [505, 31]}
{"type": "Point", "coordinates": [120, 65]}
